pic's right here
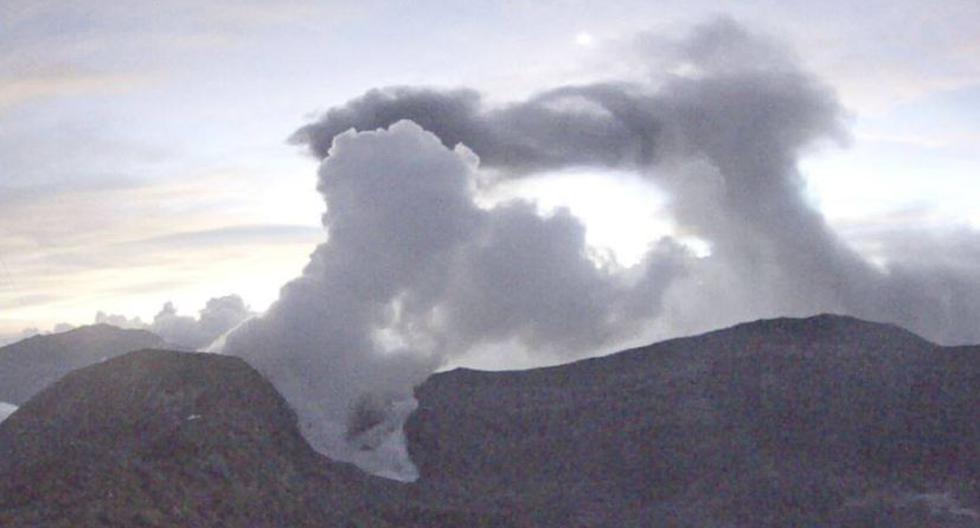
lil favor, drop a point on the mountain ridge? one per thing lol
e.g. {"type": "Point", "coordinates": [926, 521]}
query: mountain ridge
{"type": "Point", "coordinates": [31, 364]}
{"type": "Point", "coordinates": [745, 426]}
{"type": "Point", "coordinates": [186, 439]}
{"type": "Point", "coordinates": [828, 420]}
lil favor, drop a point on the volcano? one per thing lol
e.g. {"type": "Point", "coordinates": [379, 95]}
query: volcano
{"type": "Point", "coordinates": [823, 421]}
{"type": "Point", "coordinates": [163, 438]}
{"type": "Point", "coordinates": [29, 365]}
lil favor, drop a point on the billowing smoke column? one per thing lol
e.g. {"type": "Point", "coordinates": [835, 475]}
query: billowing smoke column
{"type": "Point", "coordinates": [414, 272]}
{"type": "Point", "coordinates": [6, 409]}
{"type": "Point", "coordinates": [723, 140]}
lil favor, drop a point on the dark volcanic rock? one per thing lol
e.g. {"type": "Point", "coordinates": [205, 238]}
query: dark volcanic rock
{"type": "Point", "coordinates": [826, 421]}
{"type": "Point", "coordinates": [28, 366]}
{"type": "Point", "coordinates": [159, 438]}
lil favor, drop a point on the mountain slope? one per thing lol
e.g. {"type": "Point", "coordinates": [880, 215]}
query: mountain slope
{"type": "Point", "coordinates": [158, 438]}
{"type": "Point", "coordinates": [827, 421]}
{"type": "Point", "coordinates": [28, 366]}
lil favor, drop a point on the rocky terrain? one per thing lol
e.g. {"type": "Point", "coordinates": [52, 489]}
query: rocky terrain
{"type": "Point", "coordinates": [29, 365]}
{"type": "Point", "coordinates": [159, 438]}
{"type": "Point", "coordinates": [825, 421]}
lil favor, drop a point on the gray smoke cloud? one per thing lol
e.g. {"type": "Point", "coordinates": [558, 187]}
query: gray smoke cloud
{"type": "Point", "coordinates": [723, 138]}
{"type": "Point", "coordinates": [219, 315]}
{"type": "Point", "coordinates": [6, 409]}
{"type": "Point", "coordinates": [415, 272]}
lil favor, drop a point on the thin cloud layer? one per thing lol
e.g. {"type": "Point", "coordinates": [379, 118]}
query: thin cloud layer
{"type": "Point", "coordinates": [218, 316]}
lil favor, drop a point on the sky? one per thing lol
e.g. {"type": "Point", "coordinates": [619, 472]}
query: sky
{"type": "Point", "coordinates": [144, 155]}
{"type": "Point", "coordinates": [353, 196]}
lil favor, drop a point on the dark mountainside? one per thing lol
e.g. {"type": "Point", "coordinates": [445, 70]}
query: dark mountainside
{"type": "Point", "coordinates": [28, 366]}
{"type": "Point", "coordinates": [160, 438]}
{"type": "Point", "coordinates": [825, 421]}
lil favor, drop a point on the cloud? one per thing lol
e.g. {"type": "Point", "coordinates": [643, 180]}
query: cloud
{"type": "Point", "coordinates": [120, 320]}
{"type": "Point", "coordinates": [118, 243]}
{"type": "Point", "coordinates": [720, 129]}
{"type": "Point", "coordinates": [6, 409]}
{"type": "Point", "coordinates": [31, 300]}
{"type": "Point", "coordinates": [22, 90]}
{"type": "Point", "coordinates": [218, 316]}
{"type": "Point", "coordinates": [62, 327]}
{"type": "Point", "coordinates": [532, 278]}
{"type": "Point", "coordinates": [6, 339]}
{"type": "Point", "coordinates": [415, 273]}
{"type": "Point", "coordinates": [23, 334]}
{"type": "Point", "coordinates": [231, 235]}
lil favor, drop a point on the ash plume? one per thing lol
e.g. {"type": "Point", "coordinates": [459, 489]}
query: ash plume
{"type": "Point", "coordinates": [723, 139]}
{"type": "Point", "coordinates": [415, 272]}
{"type": "Point", "coordinates": [6, 409]}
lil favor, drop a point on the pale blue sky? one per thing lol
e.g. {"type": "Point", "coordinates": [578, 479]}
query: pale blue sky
{"type": "Point", "coordinates": [130, 134]}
